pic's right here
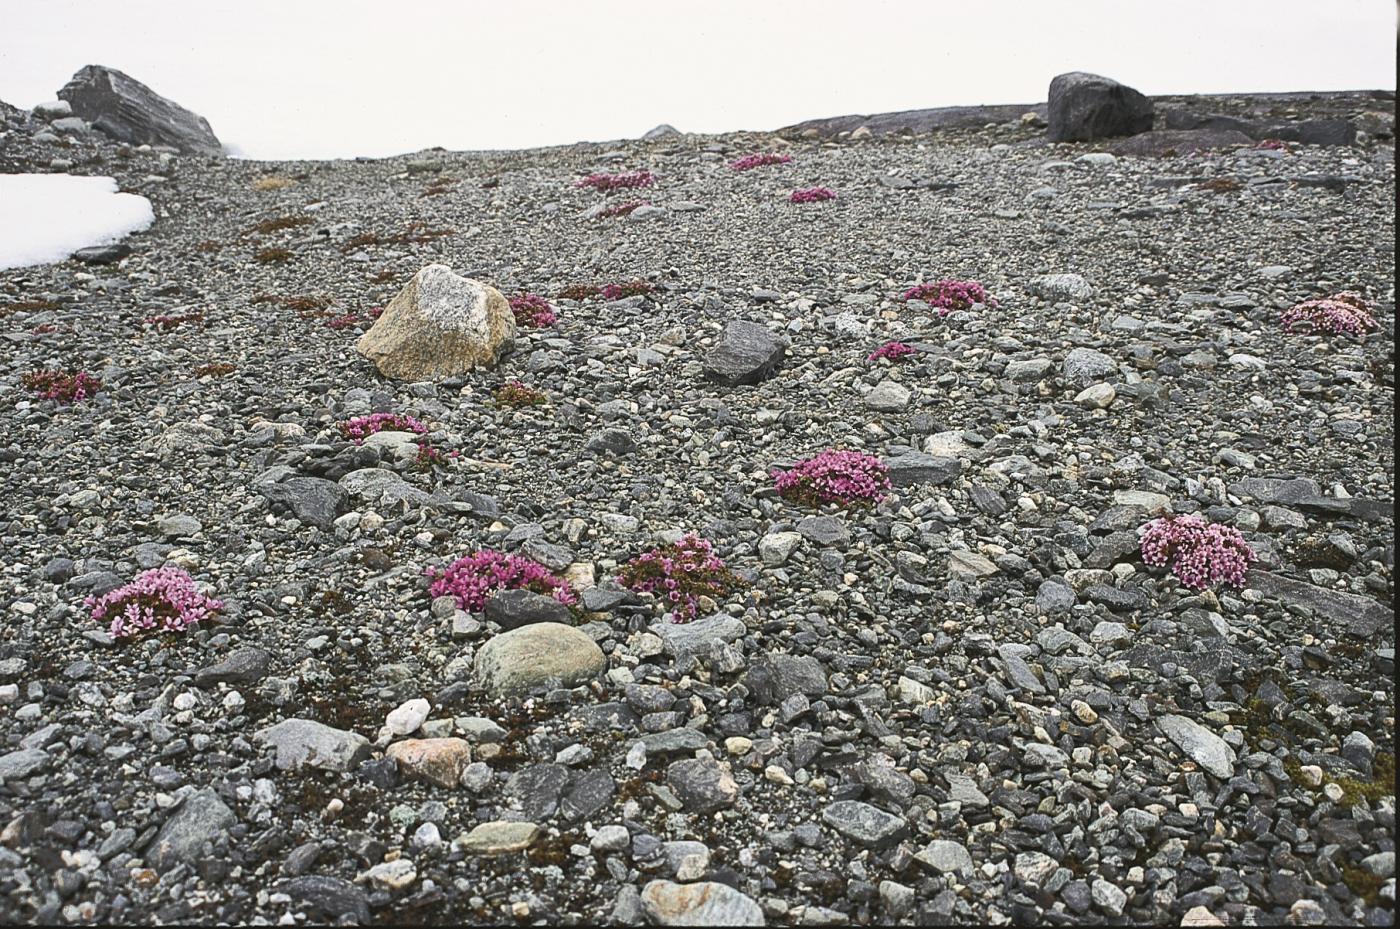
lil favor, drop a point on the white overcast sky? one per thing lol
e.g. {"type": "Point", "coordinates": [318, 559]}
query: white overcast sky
{"type": "Point", "coordinates": [339, 78]}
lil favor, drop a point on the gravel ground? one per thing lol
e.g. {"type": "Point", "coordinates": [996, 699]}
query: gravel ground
{"type": "Point", "coordinates": [970, 703]}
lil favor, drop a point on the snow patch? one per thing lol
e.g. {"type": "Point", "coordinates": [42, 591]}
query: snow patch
{"type": "Point", "coordinates": [46, 217]}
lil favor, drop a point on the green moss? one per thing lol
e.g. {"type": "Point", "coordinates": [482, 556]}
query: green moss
{"type": "Point", "coordinates": [1382, 783]}
{"type": "Point", "coordinates": [1363, 883]}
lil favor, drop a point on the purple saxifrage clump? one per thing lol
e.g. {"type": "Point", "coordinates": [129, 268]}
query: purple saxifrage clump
{"type": "Point", "coordinates": [622, 209]}
{"type": "Point", "coordinates": [62, 386]}
{"type": "Point", "coordinates": [1347, 312]}
{"type": "Point", "coordinates": [618, 181]}
{"type": "Point", "coordinates": [362, 427]}
{"type": "Point", "coordinates": [894, 351]}
{"type": "Point", "coordinates": [758, 160]}
{"type": "Point", "coordinates": [472, 579]}
{"type": "Point", "coordinates": [948, 295]}
{"type": "Point", "coordinates": [680, 574]}
{"type": "Point", "coordinates": [811, 195]}
{"type": "Point", "coordinates": [1198, 553]}
{"type": "Point", "coordinates": [162, 599]}
{"type": "Point", "coordinates": [532, 311]}
{"type": "Point", "coordinates": [833, 476]}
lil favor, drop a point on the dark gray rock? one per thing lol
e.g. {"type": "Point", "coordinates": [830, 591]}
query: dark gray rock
{"type": "Point", "coordinates": [512, 609]}
{"type": "Point", "coordinates": [914, 468]}
{"type": "Point", "coordinates": [746, 353]}
{"type": "Point", "coordinates": [201, 818]}
{"type": "Point", "coordinates": [774, 678]}
{"type": "Point", "coordinates": [1360, 615]}
{"type": "Point", "coordinates": [246, 665]}
{"type": "Point", "coordinates": [326, 898]}
{"type": "Point", "coordinates": [702, 784]}
{"type": "Point", "coordinates": [1084, 107]}
{"type": "Point", "coordinates": [916, 121]}
{"type": "Point", "coordinates": [617, 442]}
{"type": "Point", "coordinates": [103, 254]}
{"type": "Point", "coordinates": [1170, 142]}
{"type": "Point", "coordinates": [312, 500]}
{"type": "Point", "coordinates": [824, 530]}
{"type": "Point", "coordinates": [864, 824]}
{"type": "Point", "coordinates": [129, 111]}
{"type": "Point", "coordinates": [538, 789]}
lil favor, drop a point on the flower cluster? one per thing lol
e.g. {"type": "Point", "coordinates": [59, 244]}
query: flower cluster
{"type": "Point", "coordinates": [680, 574]}
{"type": "Point", "coordinates": [375, 312]}
{"type": "Point", "coordinates": [472, 579]}
{"type": "Point", "coordinates": [836, 477]}
{"type": "Point", "coordinates": [62, 386]}
{"type": "Point", "coordinates": [622, 209]}
{"type": "Point", "coordinates": [626, 289]}
{"type": "Point", "coordinates": [812, 195]}
{"type": "Point", "coordinates": [758, 160]}
{"type": "Point", "coordinates": [162, 599]}
{"type": "Point", "coordinates": [430, 458]}
{"type": "Point", "coordinates": [618, 181]}
{"type": "Point", "coordinates": [342, 322]}
{"type": "Point", "coordinates": [891, 350]}
{"type": "Point", "coordinates": [1347, 312]}
{"type": "Point", "coordinates": [1199, 553]}
{"type": "Point", "coordinates": [1273, 145]}
{"type": "Point", "coordinates": [517, 394]}
{"type": "Point", "coordinates": [947, 295]}
{"type": "Point", "coordinates": [362, 427]}
{"type": "Point", "coordinates": [533, 311]}
{"type": "Point", "coordinates": [216, 369]}
{"type": "Point", "coordinates": [171, 321]}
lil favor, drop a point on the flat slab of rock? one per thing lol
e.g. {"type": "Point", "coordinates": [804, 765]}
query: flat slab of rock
{"type": "Point", "coordinates": [498, 838]}
{"type": "Point", "coordinates": [326, 897]}
{"type": "Point", "coordinates": [1172, 142]}
{"type": "Point", "coordinates": [706, 903]}
{"type": "Point", "coordinates": [865, 824]}
{"type": "Point", "coordinates": [511, 609]}
{"type": "Point", "coordinates": [129, 111]}
{"type": "Point", "coordinates": [1061, 288]}
{"type": "Point", "coordinates": [1206, 748]}
{"type": "Point", "coordinates": [301, 742]}
{"type": "Point", "coordinates": [202, 817]}
{"type": "Point", "coordinates": [746, 353]}
{"type": "Point", "coordinates": [540, 656]}
{"type": "Point", "coordinates": [1361, 615]}
{"type": "Point", "coordinates": [439, 326]}
{"type": "Point", "coordinates": [1083, 107]}
{"type": "Point", "coordinates": [698, 636]}
{"type": "Point", "coordinates": [246, 665]}
{"type": "Point", "coordinates": [945, 857]}
{"type": "Point", "coordinates": [914, 468]}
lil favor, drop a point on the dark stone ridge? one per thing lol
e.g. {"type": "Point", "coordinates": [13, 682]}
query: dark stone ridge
{"type": "Point", "coordinates": [943, 117]}
{"type": "Point", "coordinates": [129, 111]}
{"type": "Point", "coordinates": [1165, 142]}
{"type": "Point", "coordinates": [1084, 107]}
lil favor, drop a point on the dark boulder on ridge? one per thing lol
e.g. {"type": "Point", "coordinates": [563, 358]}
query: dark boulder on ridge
{"type": "Point", "coordinates": [129, 111]}
{"type": "Point", "coordinates": [1084, 107]}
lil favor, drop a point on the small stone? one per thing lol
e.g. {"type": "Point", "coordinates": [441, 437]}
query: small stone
{"type": "Point", "coordinates": [438, 761]}
{"type": "Point", "coordinates": [706, 903]}
{"type": "Point", "coordinates": [498, 838]}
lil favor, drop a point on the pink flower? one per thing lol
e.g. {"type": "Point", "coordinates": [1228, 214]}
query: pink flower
{"type": "Point", "coordinates": [61, 386]}
{"type": "Point", "coordinates": [1199, 553]}
{"type": "Point", "coordinates": [681, 572]}
{"type": "Point", "coordinates": [622, 209]}
{"type": "Point", "coordinates": [949, 295]}
{"type": "Point", "coordinates": [618, 181]}
{"type": "Point", "coordinates": [362, 427]}
{"type": "Point", "coordinates": [532, 311]}
{"type": "Point", "coordinates": [812, 195]}
{"type": "Point", "coordinates": [472, 579]}
{"type": "Point", "coordinates": [758, 160]}
{"type": "Point", "coordinates": [833, 476]}
{"type": "Point", "coordinates": [1347, 312]}
{"type": "Point", "coordinates": [894, 351]}
{"type": "Point", "coordinates": [162, 599]}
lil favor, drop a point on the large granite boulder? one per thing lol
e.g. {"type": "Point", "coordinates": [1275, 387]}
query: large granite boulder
{"type": "Point", "coordinates": [1084, 107]}
{"type": "Point", "coordinates": [538, 657]}
{"type": "Point", "coordinates": [439, 326]}
{"type": "Point", "coordinates": [129, 111]}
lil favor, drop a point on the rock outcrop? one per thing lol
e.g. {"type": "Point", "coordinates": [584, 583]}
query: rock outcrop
{"type": "Point", "coordinates": [129, 111]}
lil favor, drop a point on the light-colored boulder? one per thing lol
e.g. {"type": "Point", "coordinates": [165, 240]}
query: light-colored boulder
{"type": "Point", "coordinates": [537, 657]}
{"type": "Point", "coordinates": [440, 325]}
